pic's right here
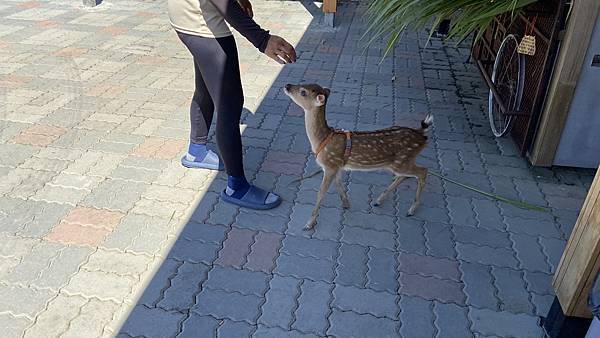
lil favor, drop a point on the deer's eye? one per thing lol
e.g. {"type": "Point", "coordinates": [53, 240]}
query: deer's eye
{"type": "Point", "coordinates": [303, 92]}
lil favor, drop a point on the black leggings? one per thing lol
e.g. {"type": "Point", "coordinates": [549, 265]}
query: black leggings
{"type": "Point", "coordinates": [218, 87]}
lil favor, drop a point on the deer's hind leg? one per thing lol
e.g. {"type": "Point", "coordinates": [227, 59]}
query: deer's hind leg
{"type": "Point", "coordinates": [399, 178]}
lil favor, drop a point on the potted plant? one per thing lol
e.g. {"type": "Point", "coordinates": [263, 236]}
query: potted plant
{"type": "Point", "coordinates": [390, 18]}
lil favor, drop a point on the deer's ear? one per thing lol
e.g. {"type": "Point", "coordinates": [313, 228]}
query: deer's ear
{"type": "Point", "coordinates": [327, 91]}
{"type": "Point", "coordinates": [320, 99]}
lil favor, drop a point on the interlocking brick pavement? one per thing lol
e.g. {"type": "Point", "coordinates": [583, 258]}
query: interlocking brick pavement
{"type": "Point", "coordinates": [104, 233]}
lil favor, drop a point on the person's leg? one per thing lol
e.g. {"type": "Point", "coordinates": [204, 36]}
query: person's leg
{"type": "Point", "coordinates": [201, 115]}
{"type": "Point", "coordinates": [219, 65]}
{"type": "Point", "coordinates": [201, 110]}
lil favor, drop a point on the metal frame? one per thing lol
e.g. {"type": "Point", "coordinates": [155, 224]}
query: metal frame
{"type": "Point", "coordinates": [550, 20]}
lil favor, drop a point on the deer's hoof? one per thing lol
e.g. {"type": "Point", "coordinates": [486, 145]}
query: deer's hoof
{"type": "Point", "coordinates": [346, 205]}
{"type": "Point", "coordinates": [309, 226]}
{"type": "Point", "coordinates": [377, 204]}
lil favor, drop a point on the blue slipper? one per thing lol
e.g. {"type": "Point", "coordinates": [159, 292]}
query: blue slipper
{"type": "Point", "coordinates": [210, 161]}
{"type": "Point", "coordinates": [253, 199]}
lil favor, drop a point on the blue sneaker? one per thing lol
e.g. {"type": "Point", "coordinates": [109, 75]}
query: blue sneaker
{"type": "Point", "coordinates": [210, 161]}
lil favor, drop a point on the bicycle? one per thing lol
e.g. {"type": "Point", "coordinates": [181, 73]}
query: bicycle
{"type": "Point", "coordinates": [508, 79]}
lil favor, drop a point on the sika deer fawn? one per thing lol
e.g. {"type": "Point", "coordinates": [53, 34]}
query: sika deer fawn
{"type": "Point", "coordinates": [394, 149]}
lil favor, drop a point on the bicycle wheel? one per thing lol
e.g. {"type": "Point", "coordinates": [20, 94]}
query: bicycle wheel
{"type": "Point", "coordinates": [508, 78]}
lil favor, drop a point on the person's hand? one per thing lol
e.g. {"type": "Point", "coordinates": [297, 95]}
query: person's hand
{"type": "Point", "coordinates": [246, 6]}
{"type": "Point", "coordinates": [280, 50]}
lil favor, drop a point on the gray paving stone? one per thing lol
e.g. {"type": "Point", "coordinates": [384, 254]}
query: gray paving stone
{"type": "Point", "coordinates": [13, 326]}
{"type": "Point", "coordinates": [512, 292]}
{"type": "Point", "coordinates": [350, 324]}
{"type": "Point", "coordinates": [381, 273]}
{"type": "Point", "coordinates": [329, 222]}
{"type": "Point", "coordinates": [364, 237]}
{"type": "Point", "coordinates": [429, 266]}
{"type": "Point", "coordinates": [365, 301]}
{"type": "Point", "coordinates": [225, 305]}
{"type": "Point", "coordinates": [417, 317]}
{"type": "Point", "coordinates": [529, 253]}
{"type": "Point", "coordinates": [152, 322]}
{"type": "Point", "coordinates": [478, 287]}
{"type": "Point", "coordinates": [234, 329]}
{"type": "Point", "coordinates": [431, 288]}
{"type": "Point", "coordinates": [439, 240]}
{"type": "Point", "coordinates": [352, 268]}
{"type": "Point", "coordinates": [198, 326]}
{"type": "Point", "coordinates": [184, 285]}
{"type": "Point", "coordinates": [191, 251]}
{"type": "Point", "coordinates": [488, 214]}
{"type": "Point", "coordinates": [432, 214]}
{"type": "Point", "coordinates": [258, 222]}
{"type": "Point", "coordinates": [116, 195]}
{"type": "Point", "coordinates": [275, 332]}
{"type": "Point", "coordinates": [305, 267]}
{"type": "Point", "coordinates": [411, 236]}
{"type": "Point", "coordinates": [533, 227]}
{"type": "Point", "coordinates": [504, 324]}
{"type": "Point", "coordinates": [539, 282]}
{"type": "Point", "coordinates": [553, 249]}
{"type": "Point", "coordinates": [309, 247]}
{"type": "Point", "coordinates": [204, 233]}
{"type": "Point", "coordinates": [451, 321]}
{"type": "Point", "coordinates": [514, 211]}
{"type": "Point", "coordinates": [370, 221]}
{"type": "Point", "coordinates": [33, 218]}
{"type": "Point", "coordinates": [485, 255]}
{"type": "Point", "coordinates": [278, 309]}
{"type": "Point", "coordinates": [460, 211]}
{"type": "Point", "coordinates": [234, 280]}
{"type": "Point", "coordinates": [313, 307]}
{"type": "Point", "coordinates": [481, 236]}
{"type": "Point", "coordinates": [542, 304]}
{"type": "Point", "coordinates": [153, 293]}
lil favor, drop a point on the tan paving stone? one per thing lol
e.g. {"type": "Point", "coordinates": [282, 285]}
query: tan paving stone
{"type": "Point", "coordinates": [96, 218]}
{"type": "Point", "coordinates": [159, 147]}
{"type": "Point", "coordinates": [33, 139]}
{"type": "Point", "coordinates": [68, 233]}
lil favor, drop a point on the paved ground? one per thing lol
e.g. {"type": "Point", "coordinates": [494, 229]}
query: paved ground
{"type": "Point", "coordinates": [102, 231]}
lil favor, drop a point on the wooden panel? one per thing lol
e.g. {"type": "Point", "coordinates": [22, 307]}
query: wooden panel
{"type": "Point", "coordinates": [562, 87]}
{"type": "Point", "coordinates": [580, 261]}
{"type": "Point", "coordinates": [329, 6]}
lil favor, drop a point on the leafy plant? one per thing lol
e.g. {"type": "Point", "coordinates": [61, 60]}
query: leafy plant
{"type": "Point", "coordinates": [391, 18]}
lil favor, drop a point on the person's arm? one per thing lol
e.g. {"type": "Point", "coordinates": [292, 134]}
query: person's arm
{"type": "Point", "coordinates": [238, 19]}
{"type": "Point", "coordinates": [273, 46]}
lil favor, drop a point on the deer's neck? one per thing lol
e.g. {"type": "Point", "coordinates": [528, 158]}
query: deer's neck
{"type": "Point", "coordinates": [316, 126]}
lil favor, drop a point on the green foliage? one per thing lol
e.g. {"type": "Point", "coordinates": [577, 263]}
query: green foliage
{"type": "Point", "coordinates": [390, 18]}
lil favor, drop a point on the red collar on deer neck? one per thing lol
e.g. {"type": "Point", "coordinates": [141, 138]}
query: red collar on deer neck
{"type": "Point", "coordinates": [327, 139]}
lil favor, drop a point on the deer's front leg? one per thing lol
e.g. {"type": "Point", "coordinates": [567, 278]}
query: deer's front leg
{"type": "Point", "coordinates": [328, 177]}
{"type": "Point", "coordinates": [342, 190]}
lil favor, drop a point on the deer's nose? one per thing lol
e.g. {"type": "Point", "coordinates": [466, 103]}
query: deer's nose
{"type": "Point", "coordinates": [288, 87]}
